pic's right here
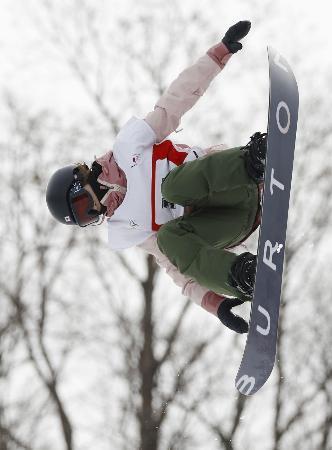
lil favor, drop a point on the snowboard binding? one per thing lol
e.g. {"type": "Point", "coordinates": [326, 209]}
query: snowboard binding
{"type": "Point", "coordinates": [243, 273]}
{"type": "Point", "coordinates": [254, 156]}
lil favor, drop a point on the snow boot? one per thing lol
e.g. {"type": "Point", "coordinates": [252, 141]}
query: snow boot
{"type": "Point", "coordinates": [254, 156]}
{"type": "Point", "coordinates": [243, 273]}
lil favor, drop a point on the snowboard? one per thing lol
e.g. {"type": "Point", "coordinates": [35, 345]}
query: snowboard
{"type": "Point", "coordinates": [260, 350]}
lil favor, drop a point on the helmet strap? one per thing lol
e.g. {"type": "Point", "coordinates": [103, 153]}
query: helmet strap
{"type": "Point", "coordinates": [98, 189]}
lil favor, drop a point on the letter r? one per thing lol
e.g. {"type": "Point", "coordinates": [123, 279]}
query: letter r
{"type": "Point", "coordinates": [268, 260]}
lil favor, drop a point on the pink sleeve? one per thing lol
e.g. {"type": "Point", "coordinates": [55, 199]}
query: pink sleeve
{"type": "Point", "coordinates": [185, 91]}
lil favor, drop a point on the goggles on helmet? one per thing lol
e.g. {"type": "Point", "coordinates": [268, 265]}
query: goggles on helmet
{"type": "Point", "coordinates": [81, 204]}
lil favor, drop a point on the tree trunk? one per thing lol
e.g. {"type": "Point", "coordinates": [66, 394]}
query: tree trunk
{"type": "Point", "coordinates": [149, 431]}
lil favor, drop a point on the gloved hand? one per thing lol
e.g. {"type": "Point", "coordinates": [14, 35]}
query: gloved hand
{"type": "Point", "coordinates": [229, 319]}
{"type": "Point", "coordinates": [234, 34]}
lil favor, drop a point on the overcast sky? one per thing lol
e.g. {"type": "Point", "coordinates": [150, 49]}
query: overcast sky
{"type": "Point", "coordinates": [297, 28]}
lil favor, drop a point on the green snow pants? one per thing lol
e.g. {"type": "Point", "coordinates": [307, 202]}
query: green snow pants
{"type": "Point", "coordinates": [225, 202]}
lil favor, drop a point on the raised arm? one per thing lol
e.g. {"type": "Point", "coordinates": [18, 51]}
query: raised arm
{"type": "Point", "coordinates": [191, 84]}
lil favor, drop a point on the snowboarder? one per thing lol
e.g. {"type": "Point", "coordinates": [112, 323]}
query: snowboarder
{"type": "Point", "coordinates": [187, 206]}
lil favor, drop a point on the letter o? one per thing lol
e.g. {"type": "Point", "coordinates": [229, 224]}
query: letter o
{"type": "Point", "coordinates": [283, 130]}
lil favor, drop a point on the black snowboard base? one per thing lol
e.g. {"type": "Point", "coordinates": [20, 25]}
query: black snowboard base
{"type": "Point", "coordinates": [260, 351]}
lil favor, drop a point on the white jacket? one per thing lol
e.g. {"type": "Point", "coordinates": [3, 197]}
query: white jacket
{"type": "Point", "coordinates": [136, 220]}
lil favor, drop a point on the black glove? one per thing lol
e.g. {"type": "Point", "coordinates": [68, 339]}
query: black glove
{"type": "Point", "coordinates": [234, 34]}
{"type": "Point", "coordinates": [229, 319]}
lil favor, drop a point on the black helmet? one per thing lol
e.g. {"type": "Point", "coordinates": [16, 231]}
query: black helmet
{"type": "Point", "coordinates": [57, 195]}
{"type": "Point", "coordinates": [68, 200]}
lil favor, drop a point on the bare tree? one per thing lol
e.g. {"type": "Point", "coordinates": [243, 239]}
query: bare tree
{"type": "Point", "coordinates": [110, 355]}
{"type": "Point", "coordinates": [152, 404]}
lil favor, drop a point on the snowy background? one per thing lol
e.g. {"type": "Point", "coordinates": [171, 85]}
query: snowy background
{"type": "Point", "coordinates": [99, 350]}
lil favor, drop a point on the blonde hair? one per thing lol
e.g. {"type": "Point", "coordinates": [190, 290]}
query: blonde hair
{"type": "Point", "coordinates": [82, 171]}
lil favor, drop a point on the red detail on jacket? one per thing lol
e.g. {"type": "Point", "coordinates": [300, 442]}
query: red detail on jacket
{"type": "Point", "coordinates": [164, 150]}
